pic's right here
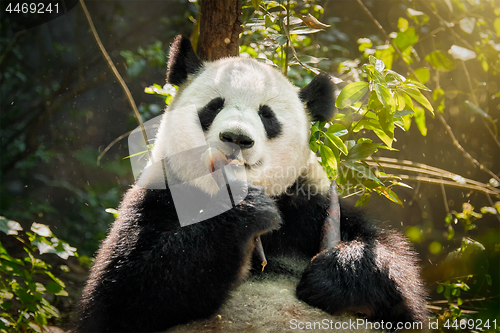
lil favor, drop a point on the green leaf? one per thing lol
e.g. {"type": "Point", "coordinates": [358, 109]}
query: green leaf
{"type": "Point", "coordinates": [438, 95]}
{"type": "Point", "coordinates": [423, 74]}
{"type": "Point", "coordinates": [55, 279]}
{"type": "Point", "coordinates": [373, 74]}
{"type": "Point", "coordinates": [364, 140]}
{"type": "Point", "coordinates": [417, 16]}
{"type": "Point", "coordinates": [9, 227]}
{"type": "Point", "coordinates": [313, 145]}
{"type": "Point", "coordinates": [476, 110]}
{"type": "Point", "coordinates": [303, 31]}
{"type": "Point", "coordinates": [41, 229]}
{"type": "Point", "coordinates": [451, 233]}
{"type": "Point", "coordinates": [378, 64]}
{"type": "Point", "coordinates": [54, 288]}
{"type": "Point", "coordinates": [488, 279]}
{"type": "Point", "coordinates": [310, 59]}
{"type": "Point", "coordinates": [386, 55]}
{"type": "Point", "coordinates": [490, 210]}
{"type": "Point", "coordinates": [351, 93]}
{"type": "Point", "coordinates": [386, 121]}
{"type": "Point", "coordinates": [402, 24]}
{"type": "Point", "coordinates": [362, 151]}
{"type": "Point", "coordinates": [35, 327]}
{"type": "Point", "coordinates": [408, 101]}
{"type": "Point", "coordinates": [400, 102]}
{"type": "Point", "coordinates": [362, 170]}
{"type": "Point", "coordinates": [385, 97]}
{"type": "Point", "coordinates": [364, 43]}
{"type": "Point", "coordinates": [112, 211]}
{"type": "Point", "coordinates": [393, 78]}
{"type": "Point", "coordinates": [441, 61]}
{"type": "Point", "coordinates": [337, 129]}
{"type": "Point", "coordinates": [496, 24]}
{"type": "Point", "coordinates": [410, 83]}
{"type": "Point", "coordinates": [470, 245]}
{"type": "Point", "coordinates": [337, 142]}
{"type": "Point", "coordinates": [420, 120]}
{"type": "Point", "coordinates": [64, 250]}
{"type": "Point", "coordinates": [256, 3]}
{"type": "Point", "coordinates": [269, 21]}
{"type": "Point", "coordinates": [391, 195]}
{"type": "Point", "coordinates": [363, 200]}
{"type": "Point", "coordinates": [406, 39]}
{"type": "Point", "coordinates": [419, 97]}
{"type": "Point", "coordinates": [328, 157]}
{"type": "Point", "coordinates": [403, 113]}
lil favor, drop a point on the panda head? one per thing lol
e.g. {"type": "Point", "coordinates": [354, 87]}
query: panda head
{"type": "Point", "coordinates": [242, 102]}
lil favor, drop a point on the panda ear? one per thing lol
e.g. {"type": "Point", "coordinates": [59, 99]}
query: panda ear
{"type": "Point", "coordinates": [182, 61]}
{"type": "Point", "coordinates": [319, 97]}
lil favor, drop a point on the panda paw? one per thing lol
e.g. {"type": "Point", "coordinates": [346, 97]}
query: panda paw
{"type": "Point", "coordinates": [349, 278]}
{"type": "Point", "coordinates": [263, 209]}
{"type": "Point", "coordinates": [248, 204]}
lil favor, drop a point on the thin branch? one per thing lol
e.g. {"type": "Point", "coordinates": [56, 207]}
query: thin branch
{"type": "Point", "coordinates": [492, 204]}
{"type": "Point", "coordinates": [409, 166]}
{"type": "Point", "coordinates": [11, 45]}
{"type": "Point", "coordinates": [459, 147]}
{"type": "Point", "coordinates": [474, 99]}
{"type": "Point", "coordinates": [451, 183]}
{"type": "Point", "coordinates": [445, 199]}
{"type": "Point", "coordinates": [288, 42]}
{"type": "Point", "coordinates": [415, 194]}
{"type": "Point", "coordinates": [425, 169]}
{"type": "Point", "coordinates": [295, 55]}
{"type": "Point", "coordinates": [115, 71]}
{"type": "Point", "coordinates": [111, 145]}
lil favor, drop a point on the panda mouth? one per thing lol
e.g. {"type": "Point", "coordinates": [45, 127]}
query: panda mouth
{"type": "Point", "coordinates": [256, 164]}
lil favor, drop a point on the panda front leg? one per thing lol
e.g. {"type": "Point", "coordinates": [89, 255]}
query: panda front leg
{"type": "Point", "coordinates": [370, 272]}
{"type": "Point", "coordinates": [151, 274]}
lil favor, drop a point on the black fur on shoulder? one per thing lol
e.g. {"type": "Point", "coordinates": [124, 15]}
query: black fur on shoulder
{"type": "Point", "coordinates": [182, 61]}
{"type": "Point", "coordinates": [319, 96]}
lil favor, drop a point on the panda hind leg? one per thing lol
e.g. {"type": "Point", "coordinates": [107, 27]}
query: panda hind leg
{"type": "Point", "coordinates": [375, 276]}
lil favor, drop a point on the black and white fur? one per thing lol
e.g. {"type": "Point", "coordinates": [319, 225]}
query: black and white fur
{"type": "Point", "coordinates": [151, 274]}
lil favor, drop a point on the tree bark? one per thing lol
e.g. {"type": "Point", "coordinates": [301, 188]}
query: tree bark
{"type": "Point", "coordinates": [220, 28]}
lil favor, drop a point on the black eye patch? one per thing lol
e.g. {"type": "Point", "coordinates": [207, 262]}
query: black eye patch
{"type": "Point", "coordinates": [271, 123]}
{"type": "Point", "coordinates": [209, 112]}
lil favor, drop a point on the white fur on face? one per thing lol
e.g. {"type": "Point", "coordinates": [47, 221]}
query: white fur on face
{"type": "Point", "coordinates": [245, 85]}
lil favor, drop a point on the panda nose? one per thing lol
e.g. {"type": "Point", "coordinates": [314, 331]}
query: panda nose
{"type": "Point", "coordinates": [241, 140]}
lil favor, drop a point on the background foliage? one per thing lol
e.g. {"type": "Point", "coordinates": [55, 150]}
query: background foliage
{"type": "Point", "coordinates": [417, 121]}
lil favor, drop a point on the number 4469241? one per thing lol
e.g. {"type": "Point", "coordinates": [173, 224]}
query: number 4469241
{"type": "Point", "coordinates": [470, 324]}
{"type": "Point", "coordinates": [32, 8]}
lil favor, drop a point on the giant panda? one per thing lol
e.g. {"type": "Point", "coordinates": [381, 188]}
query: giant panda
{"type": "Point", "coordinates": [154, 272]}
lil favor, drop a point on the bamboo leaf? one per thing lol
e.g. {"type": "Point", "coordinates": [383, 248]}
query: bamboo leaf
{"type": "Point", "coordinates": [351, 93]}
{"type": "Point", "coordinates": [385, 97]}
{"type": "Point", "coordinates": [417, 95]}
{"type": "Point", "coordinates": [337, 142]}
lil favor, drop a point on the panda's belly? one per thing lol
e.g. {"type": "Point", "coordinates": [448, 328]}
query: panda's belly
{"type": "Point", "coordinates": [269, 305]}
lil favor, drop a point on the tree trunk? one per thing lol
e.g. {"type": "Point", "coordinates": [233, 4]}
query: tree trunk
{"type": "Point", "coordinates": [220, 28]}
